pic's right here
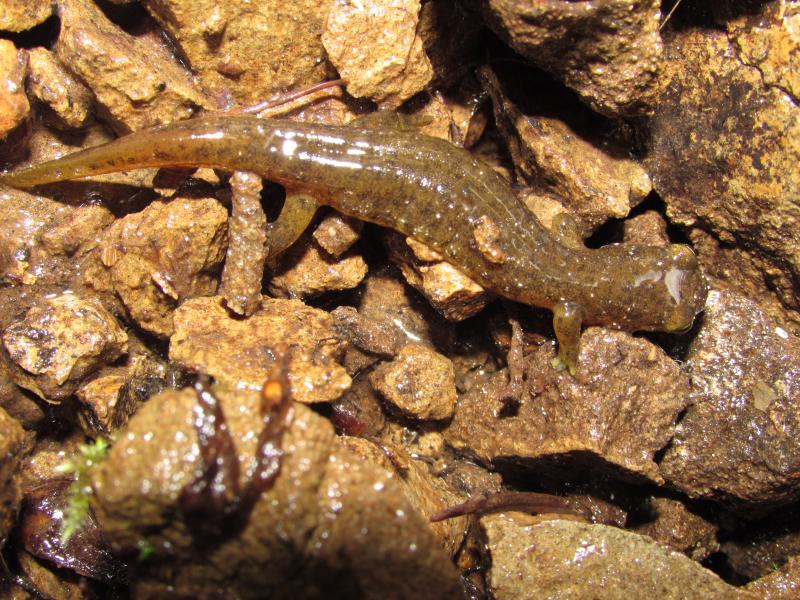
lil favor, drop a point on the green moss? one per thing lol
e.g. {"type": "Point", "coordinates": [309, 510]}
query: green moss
{"type": "Point", "coordinates": [80, 491]}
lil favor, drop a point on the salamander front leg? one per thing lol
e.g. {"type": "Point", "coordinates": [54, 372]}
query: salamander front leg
{"type": "Point", "coordinates": [296, 215]}
{"type": "Point", "coordinates": [567, 318]}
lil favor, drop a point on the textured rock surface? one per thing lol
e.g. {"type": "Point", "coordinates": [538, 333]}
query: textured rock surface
{"type": "Point", "coordinates": [136, 80]}
{"type": "Point", "coordinates": [247, 49]}
{"type": "Point", "coordinates": [740, 440]}
{"type": "Point", "coordinates": [307, 270]}
{"type": "Point", "coordinates": [19, 15]}
{"type": "Point", "coordinates": [375, 47]}
{"type": "Point", "coordinates": [724, 152]}
{"type": "Point", "coordinates": [613, 415]}
{"type": "Point", "coordinates": [157, 258]}
{"type": "Point", "coordinates": [594, 182]}
{"type": "Point", "coordinates": [567, 559]}
{"type": "Point", "coordinates": [609, 51]}
{"type": "Point", "coordinates": [60, 341]}
{"type": "Point", "coordinates": [14, 104]}
{"type": "Point", "coordinates": [452, 293]}
{"type": "Point", "coordinates": [52, 84]}
{"type": "Point", "coordinates": [12, 441]}
{"type": "Point", "coordinates": [674, 525]}
{"type": "Point", "coordinates": [242, 352]}
{"type": "Point", "coordinates": [332, 521]}
{"type": "Point", "coordinates": [419, 382]}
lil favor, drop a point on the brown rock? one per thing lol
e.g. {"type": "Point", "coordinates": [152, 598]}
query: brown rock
{"type": "Point", "coordinates": [307, 270]}
{"type": "Point", "coordinates": [454, 295]}
{"type": "Point", "coordinates": [248, 49]}
{"type": "Point", "coordinates": [247, 245]}
{"type": "Point", "coordinates": [568, 559]}
{"type": "Point", "coordinates": [647, 229]}
{"type": "Point", "coordinates": [16, 403]}
{"type": "Point", "coordinates": [744, 417]}
{"type": "Point", "coordinates": [548, 152]}
{"type": "Point", "coordinates": [375, 47]}
{"type": "Point", "coordinates": [12, 442]}
{"type": "Point", "coordinates": [613, 415]}
{"type": "Point", "coordinates": [60, 341]}
{"type": "Point", "coordinates": [359, 412]}
{"type": "Point", "coordinates": [136, 81]}
{"type": "Point", "coordinates": [674, 525]}
{"type": "Point", "coordinates": [610, 52]}
{"type": "Point", "coordinates": [337, 233]}
{"type": "Point", "coordinates": [242, 352]}
{"type": "Point", "coordinates": [756, 551]}
{"type": "Point", "coordinates": [19, 15]}
{"type": "Point", "coordinates": [723, 156]}
{"type": "Point", "coordinates": [419, 382]}
{"type": "Point", "coordinates": [47, 581]}
{"type": "Point", "coordinates": [426, 492]}
{"type": "Point", "coordinates": [782, 584]}
{"type": "Point", "coordinates": [56, 87]}
{"type": "Point", "coordinates": [331, 521]}
{"type": "Point", "coordinates": [24, 218]}
{"type": "Point", "coordinates": [74, 233]}
{"type": "Point", "coordinates": [14, 105]}
{"type": "Point", "coordinates": [155, 259]}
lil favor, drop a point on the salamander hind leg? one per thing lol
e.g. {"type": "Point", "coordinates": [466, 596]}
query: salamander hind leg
{"type": "Point", "coordinates": [566, 229]}
{"type": "Point", "coordinates": [567, 318]}
{"type": "Point", "coordinates": [296, 215]}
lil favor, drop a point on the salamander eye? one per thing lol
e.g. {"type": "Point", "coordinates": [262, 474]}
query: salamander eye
{"type": "Point", "coordinates": [683, 257]}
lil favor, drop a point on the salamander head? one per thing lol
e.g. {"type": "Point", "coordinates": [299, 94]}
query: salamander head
{"type": "Point", "coordinates": [657, 289]}
{"type": "Point", "coordinates": [686, 288]}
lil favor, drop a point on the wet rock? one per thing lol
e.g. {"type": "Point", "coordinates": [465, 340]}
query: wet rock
{"type": "Point", "coordinates": [759, 550]}
{"type": "Point", "coordinates": [53, 85]}
{"type": "Point", "coordinates": [359, 412]}
{"type": "Point", "coordinates": [375, 337]}
{"type": "Point", "coordinates": [738, 442]}
{"type": "Point", "coordinates": [61, 340]}
{"type": "Point", "coordinates": [375, 47]}
{"type": "Point", "coordinates": [75, 233]}
{"type": "Point", "coordinates": [242, 352]}
{"type": "Point", "coordinates": [453, 36]}
{"type": "Point", "coordinates": [609, 52]}
{"type": "Point", "coordinates": [331, 521]}
{"type": "Point", "coordinates": [25, 217]}
{"type": "Point", "coordinates": [337, 233]}
{"type": "Point", "coordinates": [49, 582]}
{"type": "Point", "coordinates": [419, 382]}
{"type": "Point", "coordinates": [248, 50]}
{"type": "Point", "coordinates": [782, 584]}
{"type": "Point", "coordinates": [12, 443]}
{"type": "Point", "coordinates": [736, 190]}
{"type": "Point", "coordinates": [677, 527]}
{"type": "Point", "coordinates": [108, 400]}
{"type": "Point", "coordinates": [454, 295]}
{"type": "Point", "coordinates": [307, 270]}
{"type": "Point", "coordinates": [247, 246]}
{"type": "Point", "coordinates": [135, 80]}
{"type": "Point", "coordinates": [384, 299]}
{"type": "Point", "coordinates": [14, 104]}
{"type": "Point", "coordinates": [16, 403]}
{"type": "Point", "coordinates": [426, 492]}
{"type": "Point", "coordinates": [647, 229]}
{"type": "Point", "coordinates": [19, 15]}
{"type": "Point", "coordinates": [612, 416]}
{"type": "Point", "coordinates": [575, 560]}
{"type": "Point", "coordinates": [595, 183]}
{"type": "Point", "coordinates": [157, 258]}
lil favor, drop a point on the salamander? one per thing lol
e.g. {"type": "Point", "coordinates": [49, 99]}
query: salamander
{"type": "Point", "coordinates": [431, 191]}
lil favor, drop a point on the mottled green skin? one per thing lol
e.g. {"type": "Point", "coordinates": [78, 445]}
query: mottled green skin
{"type": "Point", "coordinates": [434, 192]}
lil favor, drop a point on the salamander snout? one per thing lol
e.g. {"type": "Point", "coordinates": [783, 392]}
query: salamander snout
{"type": "Point", "coordinates": [686, 286]}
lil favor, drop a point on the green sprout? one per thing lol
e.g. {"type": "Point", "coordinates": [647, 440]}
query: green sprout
{"type": "Point", "coordinates": [80, 490]}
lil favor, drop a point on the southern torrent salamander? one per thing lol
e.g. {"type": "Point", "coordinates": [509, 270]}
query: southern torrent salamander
{"type": "Point", "coordinates": [429, 190]}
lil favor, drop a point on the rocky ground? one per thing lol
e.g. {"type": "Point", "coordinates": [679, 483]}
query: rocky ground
{"type": "Point", "coordinates": [357, 417]}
